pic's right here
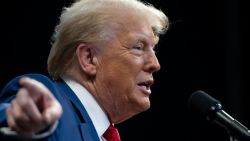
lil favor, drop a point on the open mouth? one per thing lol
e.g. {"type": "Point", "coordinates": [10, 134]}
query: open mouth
{"type": "Point", "coordinates": [145, 86]}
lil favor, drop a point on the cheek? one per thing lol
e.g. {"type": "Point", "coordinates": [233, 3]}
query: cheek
{"type": "Point", "coordinates": [119, 77]}
{"type": "Point", "coordinates": [119, 72]}
{"type": "Point", "coordinates": [123, 66]}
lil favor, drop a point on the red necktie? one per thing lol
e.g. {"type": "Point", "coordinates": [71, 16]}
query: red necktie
{"type": "Point", "coordinates": [111, 134]}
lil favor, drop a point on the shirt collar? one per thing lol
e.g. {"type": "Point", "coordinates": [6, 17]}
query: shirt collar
{"type": "Point", "coordinates": [96, 114]}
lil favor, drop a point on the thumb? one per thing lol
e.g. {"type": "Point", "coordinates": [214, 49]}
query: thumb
{"type": "Point", "coordinates": [52, 112]}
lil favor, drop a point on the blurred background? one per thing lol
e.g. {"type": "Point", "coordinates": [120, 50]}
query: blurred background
{"type": "Point", "coordinates": [206, 48]}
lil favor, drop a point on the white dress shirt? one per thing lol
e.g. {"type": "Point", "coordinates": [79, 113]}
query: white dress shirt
{"type": "Point", "coordinates": [96, 114]}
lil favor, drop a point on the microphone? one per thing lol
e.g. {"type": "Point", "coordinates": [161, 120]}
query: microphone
{"type": "Point", "coordinates": [209, 107]}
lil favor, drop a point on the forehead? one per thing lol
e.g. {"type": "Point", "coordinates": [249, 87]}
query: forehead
{"type": "Point", "coordinates": [138, 30]}
{"type": "Point", "coordinates": [134, 25]}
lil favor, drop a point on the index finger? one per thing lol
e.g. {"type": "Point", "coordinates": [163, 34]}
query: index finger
{"type": "Point", "coordinates": [35, 88]}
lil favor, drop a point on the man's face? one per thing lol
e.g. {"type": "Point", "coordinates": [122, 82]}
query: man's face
{"type": "Point", "coordinates": [124, 72]}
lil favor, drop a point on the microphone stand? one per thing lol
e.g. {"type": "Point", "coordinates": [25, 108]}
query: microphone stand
{"type": "Point", "coordinates": [233, 139]}
{"type": "Point", "coordinates": [236, 130]}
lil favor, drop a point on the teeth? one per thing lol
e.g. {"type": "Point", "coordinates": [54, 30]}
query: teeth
{"type": "Point", "coordinates": [146, 88]}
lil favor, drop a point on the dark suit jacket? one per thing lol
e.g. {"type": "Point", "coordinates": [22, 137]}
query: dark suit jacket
{"type": "Point", "coordinates": [74, 124]}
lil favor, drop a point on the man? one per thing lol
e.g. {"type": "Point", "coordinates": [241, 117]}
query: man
{"type": "Point", "coordinates": [101, 64]}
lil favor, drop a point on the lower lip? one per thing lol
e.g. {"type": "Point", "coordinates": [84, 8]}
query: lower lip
{"type": "Point", "coordinates": [144, 90]}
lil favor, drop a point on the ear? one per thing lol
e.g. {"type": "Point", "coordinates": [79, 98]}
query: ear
{"type": "Point", "coordinates": [85, 57]}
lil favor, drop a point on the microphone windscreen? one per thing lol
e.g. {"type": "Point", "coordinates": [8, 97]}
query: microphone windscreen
{"type": "Point", "coordinates": [200, 102]}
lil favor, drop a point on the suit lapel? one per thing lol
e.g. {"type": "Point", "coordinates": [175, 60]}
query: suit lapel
{"type": "Point", "coordinates": [87, 133]}
{"type": "Point", "coordinates": [86, 126]}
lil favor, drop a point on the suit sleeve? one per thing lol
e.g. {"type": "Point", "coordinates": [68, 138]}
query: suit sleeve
{"type": "Point", "coordinates": [8, 93]}
{"type": "Point", "coordinates": [6, 96]}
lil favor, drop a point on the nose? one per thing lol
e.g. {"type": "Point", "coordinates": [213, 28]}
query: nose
{"type": "Point", "coordinates": [151, 62]}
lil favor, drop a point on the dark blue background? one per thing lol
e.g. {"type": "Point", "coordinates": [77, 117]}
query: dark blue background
{"type": "Point", "coordinates": [205, 48]}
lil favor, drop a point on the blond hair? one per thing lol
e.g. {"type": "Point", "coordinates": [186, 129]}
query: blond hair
{"type": "Point", "coordinates": [90, 21]}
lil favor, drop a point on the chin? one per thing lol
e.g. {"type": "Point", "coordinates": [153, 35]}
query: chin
{"type": "Point", "coordinates": [145, 105]}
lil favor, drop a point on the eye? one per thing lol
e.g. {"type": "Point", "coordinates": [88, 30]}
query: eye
{"type": "Point", "coordinates": [139, 46]}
